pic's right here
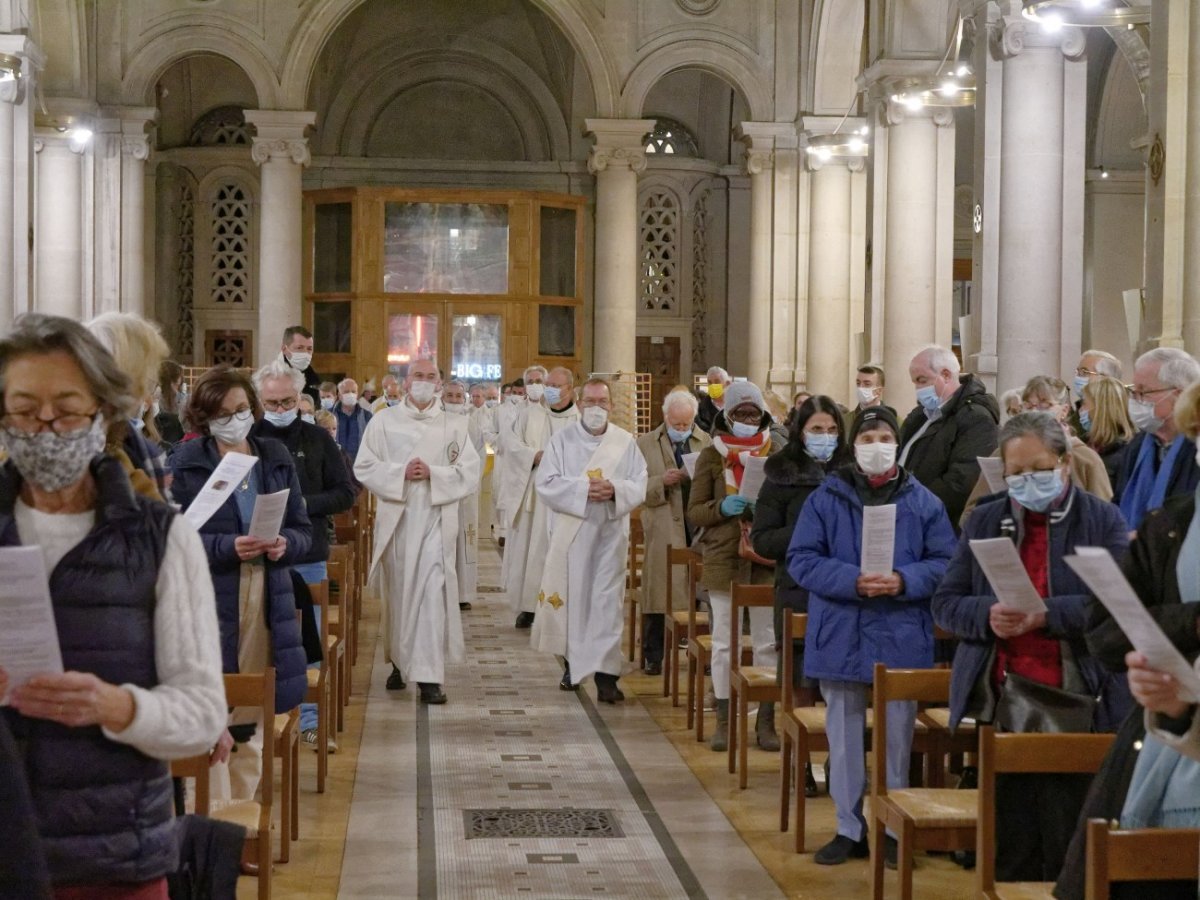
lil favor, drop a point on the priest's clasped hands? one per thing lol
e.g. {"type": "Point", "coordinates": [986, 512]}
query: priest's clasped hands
{"type": "Point", "coordinates": [600, 489]}
{"type": "Point", "coordinates": [416, 470]}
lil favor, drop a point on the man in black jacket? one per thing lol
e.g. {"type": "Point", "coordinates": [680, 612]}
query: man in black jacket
{"type": "Point", "coordinates": [296, 353]}
{"type": "Point", "coordinates": [324, 479]}
{"type": "Point", "coordinates": [955, 421]}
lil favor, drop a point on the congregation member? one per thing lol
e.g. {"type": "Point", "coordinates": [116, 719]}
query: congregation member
{"type": "Point", "coordinates": [1159, 460]}
{"type": "Point", "coordinates": [869, 382]}
{"type": "Point", "coordinates": [256, 606]}
{"type": "Point", "coordinates": [324, 482]}
{"type": "Point", "coordinates": [1093, 364]}
{"type": "Point", "coordinates": [327, 395]}
{"type": "Point", "coordinates": [297, 353]}
{"type": "Point", "coordinates": [797, 401]}
{"type": "Point", "coordinates": [549, 408]}
{"type": "Point", "coordinates": [419, 463]}
{"type": "Point", "coordinates": [954, 422]}
{"type": "Point", "coordinates": [740, 431]}
{"type": "Point", "coordinates": [1104, 422]}
{"type": "Point", "coordinates": [140, 644]}
{"type": "Point", "coordinates": [664, 516]}
{"type": "Point", "coordinates": [308, 409]}
{"type": "Point", "coordinates": [171, 398]}
{"type": "Point", "coordinates": [857, 620]}
{"type": "Point", "coordinates": [1009, 665]}
{"type": "Point", "coordinates": [590, 479]}
{"type": "Point", "coordinates": [454, 403]}
{"type": "Point", "coordinates": [137, 347]}
{"type": "Point", "coordinates": [352, 419]}
{"type": "Point", "coordinates": [1010, 404]}
{"type": "Point", "coordinates": [366, 400]}
{"type": "Point", "coordinates": [390, 396]}
{"type": "Point", "coordinates": [816, 446]}
{"type": "Point", "coordinates": [712, 399]}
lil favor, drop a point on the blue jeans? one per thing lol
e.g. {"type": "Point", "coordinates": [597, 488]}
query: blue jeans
{"type": "Point", "coordinates": [312, 573]}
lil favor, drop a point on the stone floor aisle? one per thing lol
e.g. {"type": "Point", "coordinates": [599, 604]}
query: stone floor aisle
{"type": "Point", "coordinates": [518, 789]}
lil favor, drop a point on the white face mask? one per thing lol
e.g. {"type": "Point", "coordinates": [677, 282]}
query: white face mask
{"type": "Point", "coordinates": [422, 392]}
{"type": "Point", "coordinates": [875, 459]}
{"type": "Point", "coordinates": [327, 403]}
{"type": "Point", "coordinates": [1141, 413]}
{"type": "Point", "coordinates": [491, 403]}
{"type": "Point", "coordinates": [534, 393]}
{"type": "Point", "coordinates": [301, 360]}
{"type": "Point", "coordinates": [866, 396]}
{"type": "Point", "coordinates": [455, 408]}
{"type": "Point", "coordinates": [235, 430]}
{"type": "Point", "coordinates": [349, 400]}
{"type": "Point", "coordinates": [514, 399]}
{"type": "Point", "coordinates": [595, 418]}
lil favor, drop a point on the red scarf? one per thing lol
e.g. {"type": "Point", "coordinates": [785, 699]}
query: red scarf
{"type": "Point", "coordinates": [731, 449]}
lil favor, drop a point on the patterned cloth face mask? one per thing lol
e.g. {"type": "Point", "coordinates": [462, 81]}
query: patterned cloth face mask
{"type": "Point", "coordinates": [52, 461]}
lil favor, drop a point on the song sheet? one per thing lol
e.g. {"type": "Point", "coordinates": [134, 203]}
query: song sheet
{"type": "Point", "coordinates": [879, 539]}
{"type": "Point", "coordinates": [753, 477]}
{"type": "Point", "coordinates": [28, 633]}
{"type": "Point", "coordinates": [269, 510]}
{"type": "Point", "coordinates": [1006, 574]}
{"type": "Point", "coordinates": [228, 474]}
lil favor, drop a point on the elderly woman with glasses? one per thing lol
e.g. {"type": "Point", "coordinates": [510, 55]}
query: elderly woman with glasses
{"type": "Point", "coordinates": [133, 616]}
{"type": "Point", "coordinates": [1009, 664]}
{"type": "Point", "coordinates": [255, 603]}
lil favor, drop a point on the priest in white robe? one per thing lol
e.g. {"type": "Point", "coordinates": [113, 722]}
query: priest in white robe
{"type": "Point", "coordinates": [592, 476]}
{"type": "Point", "coordinates": [419, 463]}
{"type": "Point", "coordinates": [502, 422]}
{"type": "Point", "coordinates": [549, 408]}
{"type": "Point", "coordinates": [454, 403]}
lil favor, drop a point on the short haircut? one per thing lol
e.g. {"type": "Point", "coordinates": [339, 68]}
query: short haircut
{"type": "Point", "coordinates": [872, 370]}
{"type": "Point", "coordinates": [292, 330]}
{"type": "Point", "coordinates": [570, 375]}
{"type": "Point", "coordinates": [1040, 425]}
{"type": "Point", "coordinates": [939, 357]}
{"type": "Point", "coordinates": [36, 334]}
{"type": "Point", "coordinates": [209, 392]}
{"type": "Point", "coordinates": [325, 418]}
{"type": "Point", "coordinates": [717, 372]}
{"type": "Point", "coordinates": [327, 387]}
{"type": "Point", "coordinates": [680, 398]}
{"type": "Point", "coordinates": [518, 383]}
{"type": "Point", "coordinates": [1108, 364]}
{"type": "Point", "coordinates": [1177, 368]}
{"type": "Point", "coordinates": [597, 381]}
{"type": "Point", "coordinates": [536, 369]}
{"type": "Point", "coordinates": [135, 343]}
{"type": "Point", "coordinates": [345, 381]}
{"type": "Point", "coordinates": [477, 386]}
{"type": "Point", "coordinates": [278, 369]}
{"type": "Point", "coordinates": [455, 383]}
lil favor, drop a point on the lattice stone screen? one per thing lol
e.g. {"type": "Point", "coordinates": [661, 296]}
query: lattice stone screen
{"type": "Point", "coordinates": [229, 277]}
{"type": "Point", "coordinates": [660, 252]}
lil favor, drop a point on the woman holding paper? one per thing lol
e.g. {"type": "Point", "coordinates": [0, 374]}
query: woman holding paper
{"type": "Point", "coordinates": [255, 603]}
{"type": "Point", "coordinates": [860, 614]}
{"type": "Point", "coordinates": [132, 621]}
{"type": "Point", "coordinates": [741, 439]}
{"type": "Point", "coordinates": [1021, 650]}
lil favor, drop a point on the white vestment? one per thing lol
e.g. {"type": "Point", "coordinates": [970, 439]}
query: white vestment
{"type": "Point", "coordinates": [467, 546]}
{"type": "Point", "coordinates": [527, 535]}
{"type": "Point", "coordinates": [595, 558]}
{"type": "Point", "coordinates": [502, 420]}
{"type": "Point", "coordinates": [416, 532]}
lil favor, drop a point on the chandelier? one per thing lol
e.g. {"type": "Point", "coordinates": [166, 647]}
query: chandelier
{"type": "Point", "coordinates": [1055, 14]}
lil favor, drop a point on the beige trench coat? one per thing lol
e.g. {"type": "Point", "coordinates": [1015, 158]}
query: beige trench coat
{"type": "Point", "coordinates": [662, 519]}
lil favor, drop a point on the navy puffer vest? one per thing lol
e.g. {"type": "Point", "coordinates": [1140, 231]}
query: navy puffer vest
{"type": "Point", "coordinates": [105, 810]}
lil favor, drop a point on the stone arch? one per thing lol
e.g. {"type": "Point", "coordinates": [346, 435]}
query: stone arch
{"type": "Point", "coordinates": [1120, 118]}
{"type": "Point", "coordinates": [835, 59]}
{"type": "Point", "coordinates": [151, 61]}
{"type": "Point", "coordinates": [327, 15]}
{"type": "Point", "coordinates": [707, 56]}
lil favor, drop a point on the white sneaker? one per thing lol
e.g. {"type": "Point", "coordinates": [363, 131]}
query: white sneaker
{"type": "Point", "coordinates": [309, 737]}
{"type": "Point", "coordinates": [710, 700]}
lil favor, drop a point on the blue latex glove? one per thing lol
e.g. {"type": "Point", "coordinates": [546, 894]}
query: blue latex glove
{"type": "Point", "coordinates": [733, 505]}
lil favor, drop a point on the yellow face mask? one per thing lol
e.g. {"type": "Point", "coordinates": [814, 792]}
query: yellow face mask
{"type": "Point", "coordinates": [716, 391]}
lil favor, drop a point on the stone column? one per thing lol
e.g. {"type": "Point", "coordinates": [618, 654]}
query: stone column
{"type": "Point", "coordinates": [760, 163]}
{"type": "Point", "coordinates": [1191, 208]}
{"type": "Point", "coordinates": [135, 150]}
{"type": "Point", "coordinates": [281, 149]}
{"type": "Point", "coordinates": [58, 231]}
{"type": "Point", "coordinates": [1039, 295]}
{"type": "Point", "coordinates": [11, 93]}
{"type": "Point", "coordinates": [616, 158]}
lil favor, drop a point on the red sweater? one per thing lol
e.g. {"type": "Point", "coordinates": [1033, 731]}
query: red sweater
{"type": "Point", "coordinates": [1034, 655]}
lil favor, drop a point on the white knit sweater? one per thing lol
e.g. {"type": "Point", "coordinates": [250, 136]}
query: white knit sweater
{"type": "Point", "coordinates": [185, 713]}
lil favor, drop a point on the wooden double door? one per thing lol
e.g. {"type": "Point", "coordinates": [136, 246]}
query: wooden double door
{"type": "Point", "coordinates": [659, 356]}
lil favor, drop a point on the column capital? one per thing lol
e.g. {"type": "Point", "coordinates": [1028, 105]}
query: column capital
{"type": "Point", "coordinates": [811, 126]}
{"type": "Point", "coordinates": [130, 123]}
{"type": "Point", "coordinates": [895, 113]}
{"type": "Point", "coordinates": [51, 137]}
{"type": "Point", "coordinates": [1015, 33]}
{"type": "Point", "coordinates": [618, 143]}
{"type": "Point", "coordinates": [280, 134]}
{"type": "Point", "coordinates": [762, 139]}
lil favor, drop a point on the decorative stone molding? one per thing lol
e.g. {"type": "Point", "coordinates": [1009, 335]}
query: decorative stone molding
{"type": "Point", "coordinates": [1016, 33]}
{"type": "Point", "coordinates": [761, 140]}
{"type": "Point", "coordinates": [41, 141]}
{"type": "Point", "coordinates": [619, 143]}
{"type": "Point", "coordinates": [602, 158]}
{"type": "Point", "coordinates": [759, 161]}
{"type": "Point", "coordinates": [279, 135]}
{"type": "Point", "coordinates": [136, 146]}
{"type": "Point", "coordinates": [294, 149]}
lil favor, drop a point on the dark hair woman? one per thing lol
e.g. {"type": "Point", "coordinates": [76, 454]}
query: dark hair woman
{"type": "Point", "coordinates": [255, 603]}
{"type": "Point", "coordinates": [168, 420]}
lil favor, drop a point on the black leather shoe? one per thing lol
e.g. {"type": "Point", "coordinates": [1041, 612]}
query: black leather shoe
{"type": "Point", "coordinates": [432, 694]}
{"type": "Point", "coordinates": [565, 684]}
{"type": "Point", "coordinates": [810, 782]}
{"type": "Point", "coordinates": [840, 849]}
{"type": "Point", "coordinates": [395, 681]}
{"type": "Point", "coordinates": [890, 851]}
{"type": "Point", "coordinates": [653, 668]}
{"type": "Point", "coordinates": [525, 620]}
{"type": "Point", "coordinates": [607, 690]}
{"type": "Point", "coordinates": [464, 606]}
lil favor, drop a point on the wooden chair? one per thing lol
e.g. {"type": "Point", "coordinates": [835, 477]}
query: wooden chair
{"type": "Point", "coordinates": [287, 750]}
{"type": "Point", "coordinates": [341, 568]}
{"type": "Point", "coordinates": [922, 818]}
{"type": "Point", "coordinates": [322, 685]}
{"type": "Point", "coordinates": [699, 656]}
{"type": "Point", "coordinates": [747, 684]}
{"type": "Point", "coordinates": [633, 579]}
{"type": "Point", "coordinates": [254, 816]}
{"type": "Point", "coordinates": [675, 622]}
{"type": "Point", "coordinates": [1011, 754]}
{"type": "Point", "coordinates": [1141, 854]}
{"type": "Point", "coordinates": [801, 731]}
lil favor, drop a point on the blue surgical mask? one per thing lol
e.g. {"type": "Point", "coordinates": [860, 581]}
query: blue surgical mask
{"type": "Point", "coordinates": [281, 419]}
{"type": "Point", "coordinates": [1085, 420]}
{"type": "Point", "coordinates": [327, 403]}
{"type": "Point", "coordinates": [820, 446]}
{"type": "Point", "coordinates": [928, 398]}
{"type": "Point", "coordinates": [309, 418]}
{"type": "Point", "coordinates": [1036, 491]}
{"type": "Point", "coordinates": [678, 437]}
{"type": "Point", "coordinates": [553, 395]}
{"type": "Point", "coordinates": [742, 430]}
{"type": "Point", "coordinates": [1080, 383]}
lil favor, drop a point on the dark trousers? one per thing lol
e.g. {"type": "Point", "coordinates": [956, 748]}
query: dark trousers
{"type": "Point", "coordinates": [1035, 819]}
{"type": "Point", "coordinates": [652, 637]}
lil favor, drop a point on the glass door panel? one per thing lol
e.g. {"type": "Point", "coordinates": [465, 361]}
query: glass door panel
{"type": "Point", "coordinates": [410, 336]}
{"type": "Point", "coordinates": [476, 347]}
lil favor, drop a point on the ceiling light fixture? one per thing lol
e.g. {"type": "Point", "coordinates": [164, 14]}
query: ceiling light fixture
{"type": "Point", "coordinates": [951, 85]}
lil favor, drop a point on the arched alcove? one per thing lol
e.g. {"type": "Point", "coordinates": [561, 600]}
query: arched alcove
{"type": "Point", "coordinates": [721, 62]}
{"type": "Point", "coordinates": [195, 86]}
{"type": "Point", "coordinates": [708, 106]}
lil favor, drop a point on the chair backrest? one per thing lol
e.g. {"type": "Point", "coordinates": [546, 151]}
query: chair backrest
{"type": "Point", "coordinates": [795, 627]}
{"type": "Point", "coordinates": [1142, 854]}
{"type": "Point", "coordinates": [320, 593]}
{"type": "Point", "coordinates": [195, 767]}
{"type": "Point", "coordinates": [340, 573]}
{"type": "Point", "coordinates": [695, 570]}
{"type": "Point", "coordinates": [637, 550]}
{"type": "Point", "coordinates": [745, 596]}
{"type": "Point", "coordinates": [1007, 754]}
{"type": "Point", "coordinates": [678, 556]}
{"type": "Point", "coordinates": [258, 690]}
{"type": "Point", "coordinates": [920, 685]}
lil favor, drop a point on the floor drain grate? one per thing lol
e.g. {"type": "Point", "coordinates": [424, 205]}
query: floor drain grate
{"type": "Point", "coordinates": [541, 823]}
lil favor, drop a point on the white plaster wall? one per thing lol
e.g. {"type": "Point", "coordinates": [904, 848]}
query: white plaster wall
{"type": "Point", "coordinates": [1113, 261]}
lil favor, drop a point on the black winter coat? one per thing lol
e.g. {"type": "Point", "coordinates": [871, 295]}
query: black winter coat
{"type": "Point", "coordinates": [944, 458]}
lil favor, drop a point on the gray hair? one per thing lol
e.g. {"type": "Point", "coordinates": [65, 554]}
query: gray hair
{"type": "Point", "coordinates": [455, 383]}
{"type": "Point", "coordinates": [1106, 364]}
{"type": "Point", "coordinates": [1040, 425]}
{"type": "Point", "coordinates": [938, 357]}
{"type": "Point", "coordinates": [1176, 368]}
{"type": "Point", "coordinates": [680, 398]}
{"type": "Point", "coordinates": [542, 369]}
{"type": "Point", "coordinates": [277, 368]}
{"type": "Point", "coordinates": [570, 375]}
{"type": "Point", "coordinates": [717, 372]}
{"type": "Point", "coordinates": [341, 385]}
{"type": "Point", "coordinates": [39, 334]}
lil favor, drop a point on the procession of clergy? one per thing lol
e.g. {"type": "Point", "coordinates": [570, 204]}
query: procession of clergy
{"type": "Point", "coordinates": [564, 482]}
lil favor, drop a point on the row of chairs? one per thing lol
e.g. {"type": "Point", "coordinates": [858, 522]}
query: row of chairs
{"type": "Point", "coordinates": [339, 598]}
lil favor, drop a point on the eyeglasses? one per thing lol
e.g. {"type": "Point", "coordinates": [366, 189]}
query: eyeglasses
{"type": "Point", "coordinates": [241, 415]}
{"type": "Point", "coordinates": [65, 424]}
{"type": "Point", "coordinates": [280, 405]}
{"type": "Point", "coordinates": [1037, 475]}
{"type": "Point", "coordinates": [1083, 372]}
{"type": "Point", "coordinates": [589, 402]}
{"type": "Point", "coordinates": [1140, 396]}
